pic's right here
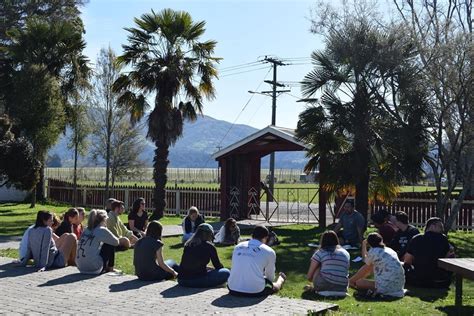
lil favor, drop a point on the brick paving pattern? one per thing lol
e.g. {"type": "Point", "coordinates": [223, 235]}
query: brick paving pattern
{"type": "Point", "coordinates": [66, 291]}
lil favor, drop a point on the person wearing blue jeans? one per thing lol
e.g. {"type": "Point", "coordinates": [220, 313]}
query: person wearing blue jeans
{"type": "Point", "coordinates": [198, 252]}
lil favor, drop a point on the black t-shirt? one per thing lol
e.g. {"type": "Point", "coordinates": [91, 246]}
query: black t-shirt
{"type": "Point", "coordinates": [426, 250]}
{"type": "Point", "coordinates": [139, 221]}
{"type": "Point", "coordinates": [195, 259]}
{"type": "Point", "coordinates": [64, 227]}
{"type": "Point", "coordinates": [144, 256]}
{"type": "Point", "coordinates": [401, 239]}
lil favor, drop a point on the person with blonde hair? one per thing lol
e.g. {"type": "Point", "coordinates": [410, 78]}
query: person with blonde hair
{"type": "Point", "coordinates": [96, 248]}
{"type": "Point", "coordinates": [191, 222]}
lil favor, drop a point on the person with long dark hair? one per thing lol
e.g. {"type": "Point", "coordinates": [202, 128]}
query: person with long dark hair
{"type": "Point", "coordinates": [198, 251]}
{"type": "Point", "coordinates": [138, 218]}
{"type": "Point", "coordinates": [70, 218]}
{"type": "Point", "coordinates": [96, 248]}
{"type": "Point", "coordinates": [148, 256]}
{"type": "Point", "coordinates": [229, 234]}
{"type": "Point", "coordinates": [329, 268]}
{"type": "Point", "coordinates": [42, 248]}
{"type": "Point", "coordinates": [383, 262]}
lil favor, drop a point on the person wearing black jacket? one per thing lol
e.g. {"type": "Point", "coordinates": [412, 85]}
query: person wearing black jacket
{"type": "Point", "coordinates": [191, 222]}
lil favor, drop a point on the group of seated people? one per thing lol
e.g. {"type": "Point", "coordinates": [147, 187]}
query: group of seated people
{"type": "Point", "coordinates": [408, 258]}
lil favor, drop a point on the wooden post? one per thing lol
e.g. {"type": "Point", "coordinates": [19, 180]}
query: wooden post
{"type": "Point", "coordinates": [178, 202]}
{"type": "Point", "coordinates": [84, 197]}
{"type": "Point", "coordinates": [126, 199]}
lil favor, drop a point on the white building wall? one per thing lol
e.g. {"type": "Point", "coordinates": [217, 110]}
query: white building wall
{"type": "Point", "coordinates": [12, 194]}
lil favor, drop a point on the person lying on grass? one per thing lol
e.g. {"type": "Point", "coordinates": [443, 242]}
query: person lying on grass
{"type": "Point", "coordinates": [384, 264]}
{"type": "Point", "coordinates": [253, 267]}
{"type": "Point", "coordinates": [115, 225]}
{"type": "Point", "coordinates": [329, 268]}
{"type": "Point", "coordinates": [148, 256]}
{"type": "Point", "coordinates": [42, 248]}
{"type": "Point", "coordinates": [96, 248]}
{"type": "Point", "coordinates": [229, 234]}
{"type": "Point", "coordinates": [198, 251]}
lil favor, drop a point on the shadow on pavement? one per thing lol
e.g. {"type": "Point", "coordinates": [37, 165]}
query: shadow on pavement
{"type": "Point", "coordinates": [231, 301]}
{"type": "Point", "coordinates": [67, 279]}
{"type": "Point", "coordinates": [12, 270]}
{"type": "Point", "coordinates": [129, 285]}
{"type": "Point", "coordinates": [178, 291]}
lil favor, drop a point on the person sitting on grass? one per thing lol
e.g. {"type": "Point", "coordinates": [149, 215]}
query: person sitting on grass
{"type": "Point", "coordinates": [198, 251]}
{"type": "Point", "coordinates": [138, 218]}
{"type": "Point", "coordinates": [70, 218]}
{"type": "Point", "coordinates": [352, 224]}
{"type": "Point", "coordinates": [115, 225]}
{"type": "Point", "coordinates": [191, 222]}
{"type": "Point", "coordinates": [148, 256]}
{"type": "Point", "coordinates": [77, 228]}
{"type": "Point", "coordinates": [384, 264]}
{"type": "Point", "coordinates": [42, 248]}
{"type": "Point", "coordinates": [229, 234]}
{"type": "Point", "coordinates": [423, 252]}
{"type": "Point", "coordinates": [329, 268]}
{"type": "Point", "coordinates": [404, 234]}
{"type": "Point", "coordinates": [108, 204]}
{"type": "Point", "coordinates": [96, 248]}
{"type": "Point", "coordinates": [253, 267]}
{"type": "Point", "coordinates": [386, 229]}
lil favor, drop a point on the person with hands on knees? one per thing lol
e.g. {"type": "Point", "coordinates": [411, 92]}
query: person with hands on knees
{"type": "Point", "coordinates": [191, 222]}
{"type": "Point", "coordinates": [138, 218]}
{"type": "Point", "coordinates": [253, 267]}
{"type": "Point", "coordinates": [384, 264]}
{"type": "Point", "coordinates": [148, 256]}
{"type": "Point", "coordinates": [353, 225]}
{"type": "Point", "coordinates": [115, 225]}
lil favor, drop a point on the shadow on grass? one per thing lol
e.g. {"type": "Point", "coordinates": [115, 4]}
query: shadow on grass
{"type": "Point", "coordinates": [362, 297]}
{"type": "Point", "coordinates": [177, 246]}
{"type": "Point", "coordinates": [312, 296]}
{"type": "Point", "coordinates": [129, 285]}
{"type": "Point", "coordinates": [10, 270]}
{"type": "Point", "coordinates": [231, 301]}
{"type": "Point", "coordinates": [427, 294]}
{"type": "Point", "coordinates": [453, 310]}
{"type": "Point", "coordinates": [178, 291]}
{"type": "Point", "coordinates": [67, 279]}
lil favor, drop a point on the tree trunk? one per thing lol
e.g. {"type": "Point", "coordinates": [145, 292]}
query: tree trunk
{"type": "Point", "coordinates": [160, 165]}
{"type": "Point", "coordinates": [33, 198]}
{"type": "Point", "coordinates": [107, 155]}
{"type": "Point", "coordinates": [74, 179]}
{"type": "Point", "coordinates": [40, 185]}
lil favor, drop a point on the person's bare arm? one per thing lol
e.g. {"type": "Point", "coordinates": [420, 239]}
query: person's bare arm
{"type": "Point", "coordinates": [312, 269]}
{"type": "Point", "coordinates": [408, 259]}
{"type": "Point", "coordinates": [364, 249]}
{"type": "Point", "coordinates": [162, 263]}
{"type": "Point", "coordinates": [338, 227]}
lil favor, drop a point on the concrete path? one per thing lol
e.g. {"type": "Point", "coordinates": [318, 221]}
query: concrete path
{"type": "Point", "coordinates": [65, 291]}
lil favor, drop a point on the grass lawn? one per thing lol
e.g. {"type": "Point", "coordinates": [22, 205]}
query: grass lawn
{"type": "Point", "coordinates": [293, 257]}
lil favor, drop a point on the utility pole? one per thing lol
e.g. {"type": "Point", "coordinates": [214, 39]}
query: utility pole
{"type": "Point", "coordinates": [275, 84]}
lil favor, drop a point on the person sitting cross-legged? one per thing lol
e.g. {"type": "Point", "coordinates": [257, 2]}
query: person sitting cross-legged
{"type": "Point", "coordinates": [229, 234]}
{"type": "Point", "coordinates": [404, 234]}
{"type": "Point", "coordinates": [191, 222]}
{"type": "Point", "coordinates": [253, 267]}
{"type": "Point", "coordinates": [329, 268]}
{"type": "Point", "coordinates": [126, 237]}
{"type": "Point", "coordinates": [384, 264]}
{"type": "Point", "coordinates": [148, 256]}
{"type": "Point", "coordinates": [198, 251]}
{"type": "Point", "coordinates": [423, 252]}
{"type": "Point", "coordinates": [96, 247]}
{"type": "Point", "coordinates": [353, 225]}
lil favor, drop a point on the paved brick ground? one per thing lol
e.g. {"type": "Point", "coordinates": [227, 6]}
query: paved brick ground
{"type": "Point", "coordinates": [65, 291]}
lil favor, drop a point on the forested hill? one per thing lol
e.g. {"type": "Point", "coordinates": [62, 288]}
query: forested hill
{"type": "Point", "coordinates": [200, 139]}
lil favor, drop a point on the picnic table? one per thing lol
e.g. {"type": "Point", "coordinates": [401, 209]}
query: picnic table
{"type": "Point", "coordinates": [462, 268]}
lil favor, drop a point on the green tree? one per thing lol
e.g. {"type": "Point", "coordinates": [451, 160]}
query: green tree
{"type": "Point", "coordinates": [168, 59]}
{"type": "Point", "coordinates": [368, 125]}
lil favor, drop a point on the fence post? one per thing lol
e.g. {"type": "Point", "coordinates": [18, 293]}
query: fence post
{"type": "Point", "coordinates": [84, 197]}
{"type": "Point", "coordinates": [178, 202]}
{"type": "Point", "coordinates": [127, 206]}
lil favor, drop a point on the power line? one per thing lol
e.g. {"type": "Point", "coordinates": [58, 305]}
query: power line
{"type": "Point", "coordinates": [242, 72]}
{"type": "Point", "coordinates": [254, 63]}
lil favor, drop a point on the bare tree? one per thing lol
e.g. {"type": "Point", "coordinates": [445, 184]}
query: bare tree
{"type": "Point", "coordinates": [442, 31]}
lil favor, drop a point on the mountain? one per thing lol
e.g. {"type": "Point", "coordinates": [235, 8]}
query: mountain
{"type": "Point", "coordinates": [194, 150]}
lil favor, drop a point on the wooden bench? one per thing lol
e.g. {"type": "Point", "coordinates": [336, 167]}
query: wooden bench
{"type": "Point", "coordinates": [462, 268]}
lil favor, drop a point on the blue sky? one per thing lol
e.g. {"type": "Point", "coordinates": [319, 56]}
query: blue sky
{"type": "Point", "coordinates": [246, 31]}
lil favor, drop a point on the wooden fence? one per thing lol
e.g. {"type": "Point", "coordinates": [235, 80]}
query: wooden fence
{"type": "Point", "coordinates": [178, 200]}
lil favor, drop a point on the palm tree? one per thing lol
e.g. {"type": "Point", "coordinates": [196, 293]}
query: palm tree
{"type": "Point", "coordinates": [168, 60]}
{"type": "Point", "coordinates": [368, 125]}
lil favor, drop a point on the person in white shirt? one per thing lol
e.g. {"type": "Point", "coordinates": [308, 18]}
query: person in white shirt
{"type": "Point", "coordinates": [253, 267]}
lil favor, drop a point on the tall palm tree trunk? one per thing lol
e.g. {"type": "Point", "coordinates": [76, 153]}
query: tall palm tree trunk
{"type": "Point", "coordinates": [160, 166]}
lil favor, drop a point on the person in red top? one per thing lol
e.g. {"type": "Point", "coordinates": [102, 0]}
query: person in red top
{"type": "Point", "coordinates": [78, 229]}
{"type": "Point", "coordinates": [386, 229]}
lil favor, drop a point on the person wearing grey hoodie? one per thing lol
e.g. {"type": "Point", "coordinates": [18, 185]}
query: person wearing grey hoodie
{"type": "Point", "coordinates": [96, 247]}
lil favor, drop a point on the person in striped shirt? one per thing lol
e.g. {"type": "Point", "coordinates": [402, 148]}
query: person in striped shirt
{"type": "Point", "coordinates": [329, 268]}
